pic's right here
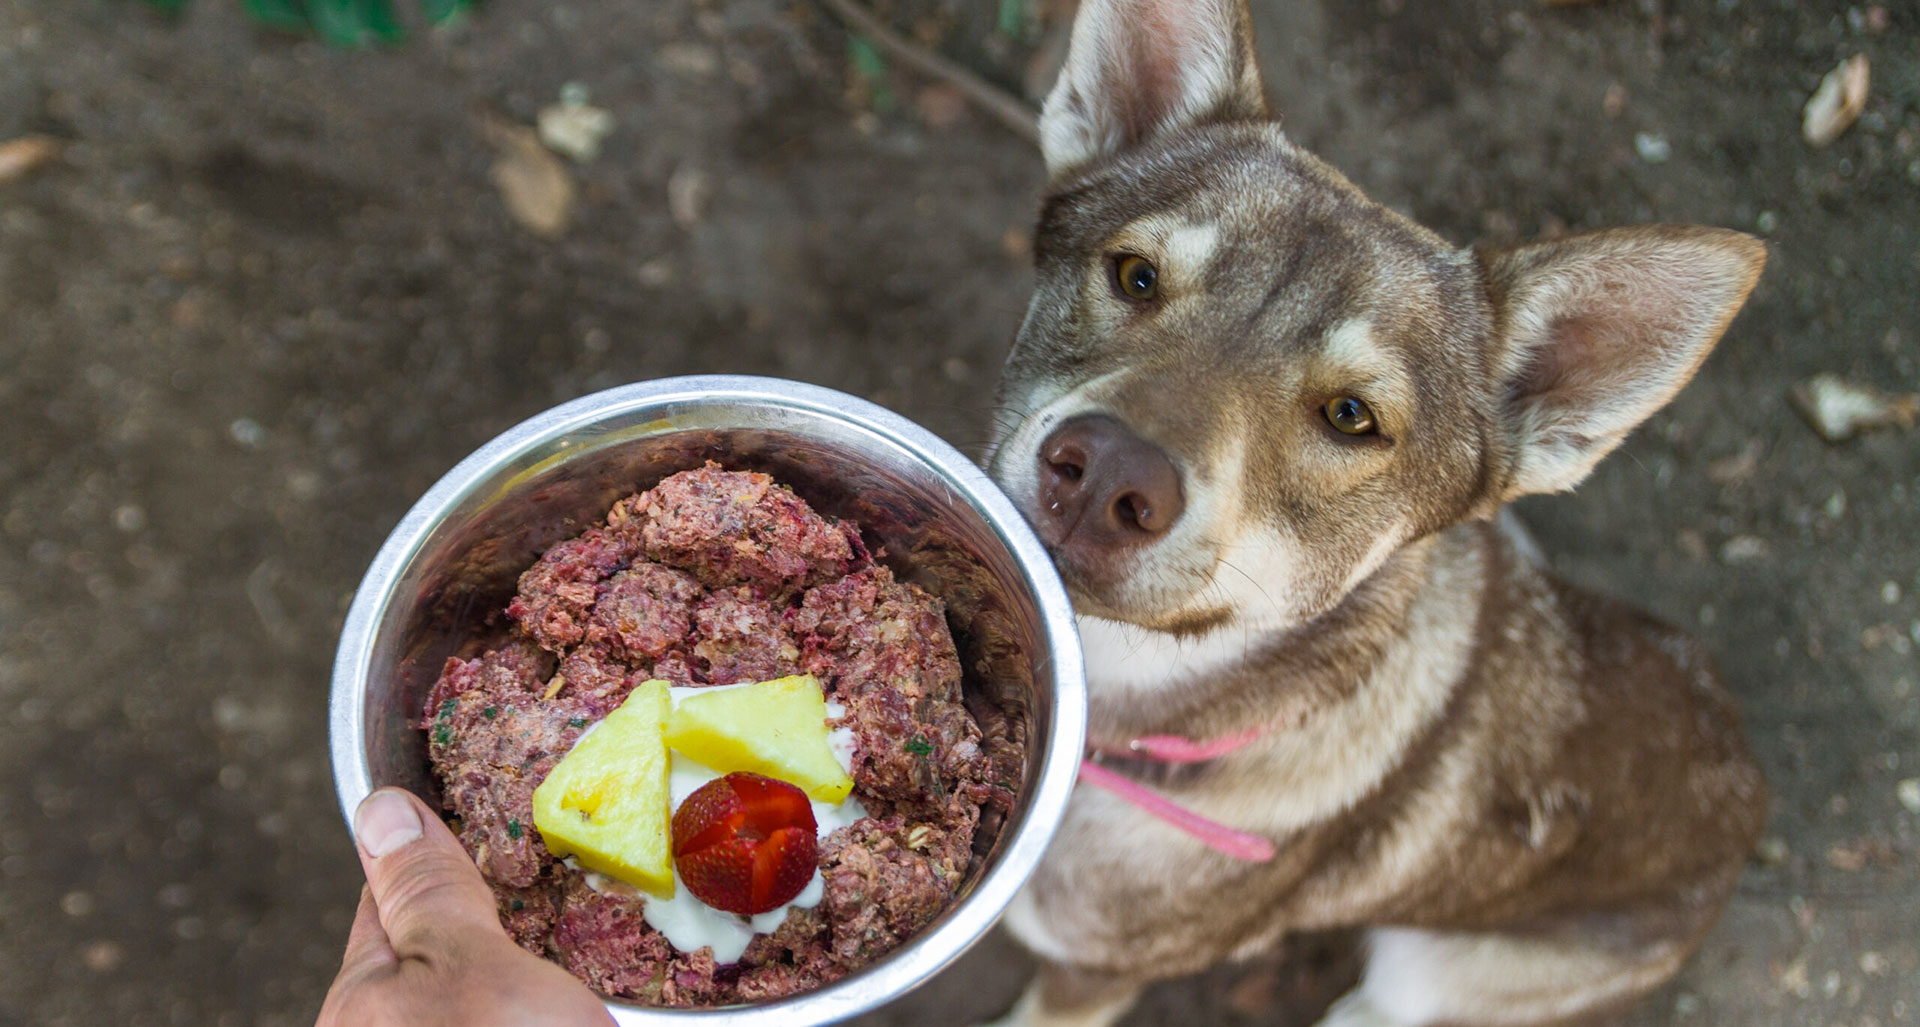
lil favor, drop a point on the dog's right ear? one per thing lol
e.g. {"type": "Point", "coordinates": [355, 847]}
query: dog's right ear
{"type": "Point", "coordinates": [1138, 68]}
{"type": "Point", "coordinates": [1598, 331]}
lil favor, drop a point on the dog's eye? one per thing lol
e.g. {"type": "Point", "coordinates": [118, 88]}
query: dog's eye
{"type": "Point", "coordinates": [1350, 416]}
{"type": "Point", "coordinates": [1135, 276]}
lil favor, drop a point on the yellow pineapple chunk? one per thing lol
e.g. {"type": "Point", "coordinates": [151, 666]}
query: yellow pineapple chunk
{"type": "Point", "coordinates": [777, 728]}
{"type": "Point", "coordinates": [606, 802]}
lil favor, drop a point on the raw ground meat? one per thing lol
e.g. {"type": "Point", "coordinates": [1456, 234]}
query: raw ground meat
{"type": "Point", "coordinates": [641, 612]}
{"type": "Point", "coordinates": [716, 577]}
{"type": "Point", "coordinates": [731, 528]}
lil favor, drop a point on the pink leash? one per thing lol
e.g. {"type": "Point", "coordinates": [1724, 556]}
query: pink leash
{"type": "Point", "coordinates": [1174, 749]}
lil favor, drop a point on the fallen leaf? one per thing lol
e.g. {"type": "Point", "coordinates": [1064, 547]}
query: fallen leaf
{"type": "Point", "coordinates": [1840, 99]}
{"type": "Point", "coordinates": [1859, 853]}
{"type": "Point", "coordinates": [690, 60]}
{"type": "Point", "coordinates": [1837, 410]}
{"type": "Point", "coordinates": [1792, 978]}
{"type": "Point", "coordinates": [940, 106]}
{"type": "Point", "coordinates": [19, 156]}
{"type": "Point", "coordinates": [535, 186]}
{"type": "Point", "coordinates": [1736, 468]}
{"type": "Point", "coordinates": [1874, 636]}
{"type": "Point", "coordinates": [1841, 857]}
{"type": "Point", "coordinates": [1615, 100]}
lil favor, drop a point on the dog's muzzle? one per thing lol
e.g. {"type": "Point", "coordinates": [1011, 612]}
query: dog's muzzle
{"type": "Point", "coordinates": [1102, 490]}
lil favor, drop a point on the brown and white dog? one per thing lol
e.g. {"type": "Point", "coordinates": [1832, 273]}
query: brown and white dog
{"type": "Point", "coordinates": [1266, 427]}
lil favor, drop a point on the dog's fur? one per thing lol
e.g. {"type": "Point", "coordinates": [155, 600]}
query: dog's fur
{"type": "Point", "coordinates": [1534, 800]}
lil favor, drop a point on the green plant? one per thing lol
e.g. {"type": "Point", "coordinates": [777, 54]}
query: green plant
{"type": "Point", "coordinates": [340, 22]}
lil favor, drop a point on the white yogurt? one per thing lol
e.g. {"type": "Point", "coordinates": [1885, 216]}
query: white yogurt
{"type": "Point", "coordinates": [686, 922]}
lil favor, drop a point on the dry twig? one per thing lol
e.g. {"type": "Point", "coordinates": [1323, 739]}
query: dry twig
{"type": "Point", "coordinates": [990, 98]}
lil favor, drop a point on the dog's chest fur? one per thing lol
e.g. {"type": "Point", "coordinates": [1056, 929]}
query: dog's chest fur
{"type": "Point", "coordinates": [1399, 784]}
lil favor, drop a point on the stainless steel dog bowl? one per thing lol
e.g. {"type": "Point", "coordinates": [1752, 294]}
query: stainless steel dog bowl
{"type": "Point", "coordinates": [455, 557]}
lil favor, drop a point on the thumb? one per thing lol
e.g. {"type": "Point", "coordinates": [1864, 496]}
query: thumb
{"type": "Point", "coordinates": [430, 896]}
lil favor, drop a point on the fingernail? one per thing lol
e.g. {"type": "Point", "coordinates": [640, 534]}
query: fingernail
{"type": "Point", "coordinates": [384, 822]}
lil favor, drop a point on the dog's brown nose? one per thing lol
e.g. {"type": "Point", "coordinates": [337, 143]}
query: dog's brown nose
{"type": "Point", "coordinates": [1105, 488]}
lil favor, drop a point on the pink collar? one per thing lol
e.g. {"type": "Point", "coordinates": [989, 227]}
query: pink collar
{"type": "Point", "coordinates": [1174, 749]}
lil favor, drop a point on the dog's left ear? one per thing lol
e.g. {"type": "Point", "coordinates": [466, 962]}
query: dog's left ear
{"type": "Point", "coordinates": [1138, 68]}
{"type": "Point", "coordinates": [1596, 332]}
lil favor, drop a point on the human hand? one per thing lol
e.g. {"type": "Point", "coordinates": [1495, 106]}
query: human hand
{"type": "Point", "coordinates": [427, 948]}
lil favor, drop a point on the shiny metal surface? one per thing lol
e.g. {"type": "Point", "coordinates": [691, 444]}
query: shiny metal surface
{"type": "Point", "coordinates": [456, 555]}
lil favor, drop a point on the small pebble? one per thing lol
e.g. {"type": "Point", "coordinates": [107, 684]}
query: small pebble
{"type": "Point", "coordinates": [1652, 147]}
{"type": "Point", "coordinates": [102, 956]}
{"type": "Point", "coordinates": [129, 518]}
{"type": "Point", "coordinates": [1872, 963]}
{"type": "Point", "coordinates": [247, 432]}
{"type": "Point", "coordinates": [1890, 593]}
{"type": "Point", "coordinates": [1692, 543]}
{"type": "Point", "coordinates": [656, 272]}
{"type": "Point", "coordinates": [1836, 506]}
{"type": "Point", "coordinates": [1767, 222]}
{"type": "Point", "coordinates": [573, 127]}
{"type": "Point", "coordinates": [1743, 549]}
{"type": "Point", "coordinates": [76, 903]}
{"type": "Point", "coordinates": [688, 191]}
{"type": "Point", "coordinates": [1772, 851]}
{"type": "Point", "coordinates": [1908, 791]}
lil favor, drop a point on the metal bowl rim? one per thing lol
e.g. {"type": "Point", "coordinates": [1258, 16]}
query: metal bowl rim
{"type": "Point", "coordinates": [1045, 806]}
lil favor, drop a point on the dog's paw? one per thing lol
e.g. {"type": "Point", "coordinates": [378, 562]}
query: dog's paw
{"type": "Point", "coordinates": [1355, 1011]}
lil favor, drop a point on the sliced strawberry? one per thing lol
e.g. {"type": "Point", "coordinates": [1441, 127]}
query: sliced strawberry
{"type": "Point", "coordinates": [711, 815]}
{"type": "Point", "coordinates": [721, 876]}
{"type": "Point", "coordinates": [782, 866]}
{"type": "Point", "coordinates": [770, 804]}
{"type": "Point", "coordinates": [745, 843]}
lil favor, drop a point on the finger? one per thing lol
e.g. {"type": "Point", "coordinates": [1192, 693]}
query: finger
{"type": "Point", "coordinates": [426, 887]}
{"type": "Point", "coordinates": [368, 960]}
{"type": "Point", "coordinates": [367, 945]}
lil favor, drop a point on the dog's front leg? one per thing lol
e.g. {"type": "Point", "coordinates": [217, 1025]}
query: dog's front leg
{"type": "Point", "coordinates": [1065, 996]}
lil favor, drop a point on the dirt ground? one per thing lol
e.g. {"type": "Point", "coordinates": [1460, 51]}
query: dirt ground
{"type": "Point", "coordinates": [268, 293]}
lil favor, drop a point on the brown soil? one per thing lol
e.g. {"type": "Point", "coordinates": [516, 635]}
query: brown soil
{"type": "Point", "coordinates": [268, 293]}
